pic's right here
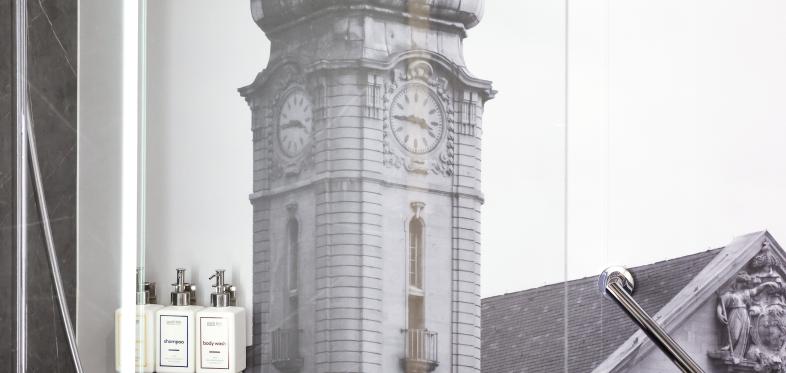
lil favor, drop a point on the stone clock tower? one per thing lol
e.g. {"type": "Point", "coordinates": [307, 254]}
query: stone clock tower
{"type": "Point", "coordinates": [366, 128]}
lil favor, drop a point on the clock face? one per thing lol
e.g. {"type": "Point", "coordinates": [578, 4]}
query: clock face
{"type": "Point", "coordinates": [294, 122]}
{"type": "Point", "coordinates": [416, 119]}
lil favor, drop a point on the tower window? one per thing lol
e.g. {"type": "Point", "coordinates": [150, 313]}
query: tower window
{"type": "Point", "coordinates": [293, 271]}
{"type": "Point", "coordinates": [293, 230]}
{"type": "Point", "coordinates": [416, 253]}
{"type": "Point", "coordinates": [416, 302]}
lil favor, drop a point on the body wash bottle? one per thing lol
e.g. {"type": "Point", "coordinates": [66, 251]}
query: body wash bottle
{"type": "Point", "coordinates": [145, 352]}
{"type": "Point", "coordinates": [221, 331]}
{"type": "Point", "coordinates": [175, 329]}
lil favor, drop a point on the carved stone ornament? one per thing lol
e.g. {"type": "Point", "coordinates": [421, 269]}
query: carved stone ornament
{"type": "Point", "coordinates": [290, 98]}
{"type": "Point", "coordinates": [752, 312]}
{"type": "Point", "coordinates": [418, 124]}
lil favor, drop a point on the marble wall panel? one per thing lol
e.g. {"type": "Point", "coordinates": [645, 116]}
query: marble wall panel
{"type": "Point", "coordinates": [52, 38]}
{"type": "Point", "coordinates": [52, 26]}
{"type": "Point", "coordinates": [7, 188]}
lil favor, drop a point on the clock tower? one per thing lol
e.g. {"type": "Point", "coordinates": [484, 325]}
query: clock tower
{"type": "Point", "coordinates": [366, 132]}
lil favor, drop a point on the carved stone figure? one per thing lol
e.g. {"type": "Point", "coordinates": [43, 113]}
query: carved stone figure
{"type": "Point", "coordinates": [733, 311]}
{"type": "Point", "coordinates": [765, 260]}
{"type": "Point", "coordinates": [753, 313]}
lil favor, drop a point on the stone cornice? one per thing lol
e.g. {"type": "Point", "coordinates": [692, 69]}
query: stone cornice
{"type": "Point", "coordinates": [304, 184]}
{"type": "Point", "coordinates": [273, 15]}
{"type": "Point", "coordinates": [457, 71]}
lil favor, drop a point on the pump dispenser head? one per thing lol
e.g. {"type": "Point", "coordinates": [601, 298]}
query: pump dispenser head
{"type": "Point", "coordinates": [184, 294]}
{"type": "Point", "coordinates": [145, 291]}
{"type": "Point", "coordinates": [224, 295]}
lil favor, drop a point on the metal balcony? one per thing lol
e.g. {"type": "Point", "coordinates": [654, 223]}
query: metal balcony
{"type": "Point", "coordinates": [421, 351]}
{"type": "Point", "coordinates": [286, 350]}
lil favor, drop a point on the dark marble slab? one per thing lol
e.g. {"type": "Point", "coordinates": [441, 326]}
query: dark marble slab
{"type": "Point", "coordinates": [52, 55]}
{"type": "Point", "coordinates": [7, 189]}
{"type": "Point", "coordinates": [52, 42]}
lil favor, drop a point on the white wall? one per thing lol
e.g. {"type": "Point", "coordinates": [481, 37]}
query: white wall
{"type": "Point", "coordinates": [199, 163]}
{"type": "Point", "coordinates": [98, 182]}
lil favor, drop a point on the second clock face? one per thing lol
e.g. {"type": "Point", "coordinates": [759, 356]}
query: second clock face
{"type": "Point", "coordinates": [294, 122]}
{"type": "Point", "coordinates": [416, 119]}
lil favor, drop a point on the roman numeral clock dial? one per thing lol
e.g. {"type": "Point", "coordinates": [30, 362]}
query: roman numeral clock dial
{"type": "Point", "coordinates": [294, 123]}
{"type": "Point", "coordinates": [417, 120]}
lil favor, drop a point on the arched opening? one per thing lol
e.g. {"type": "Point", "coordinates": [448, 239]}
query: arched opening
{"type": "Point", "coordinates": [293, 273]}
{"type": "Point", "coordinates": [293, 230]}
{"type": "Point", "coordinates": [416, 302]}
{"type": "Point", "coordinates": [285, 341]}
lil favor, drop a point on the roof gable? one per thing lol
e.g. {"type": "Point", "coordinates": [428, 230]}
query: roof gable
{"type": "Point", "coordinates": [524, 331]}
{"type": "Point", "coordinates": [714, 276]}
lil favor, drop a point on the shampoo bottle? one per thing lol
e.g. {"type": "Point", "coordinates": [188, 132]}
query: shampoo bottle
{"type": "Point", "coordinates": [145, 352]}
{"type": "Point", "coordinates": [175, 330]}
{"type": "Point", "coordinates": [221, 331]}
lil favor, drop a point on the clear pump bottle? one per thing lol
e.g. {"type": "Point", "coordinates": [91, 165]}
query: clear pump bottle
{"type": "Point", "coordinates": [145, 352]}
{"type": "Point", "coordinates": [221, 331]}
{"type": "Point", "coordinates": [175, 328]}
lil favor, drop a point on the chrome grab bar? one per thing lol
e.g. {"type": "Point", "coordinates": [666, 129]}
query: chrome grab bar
{"type": "Point", "coordinates": [617, 284]}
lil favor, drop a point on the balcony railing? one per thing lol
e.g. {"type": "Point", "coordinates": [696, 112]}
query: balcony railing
{"type": "Point", "coordinates": [421, 351]}
{"type": "Point", "coordinates": [286, 350]}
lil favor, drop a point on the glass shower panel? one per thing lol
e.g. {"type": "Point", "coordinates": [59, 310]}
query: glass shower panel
{"type": "Point", "coordinates": [674, 172]}
{"type": "Point", "coordinates": [327, 176]}
{"type": "Point", "coordinates": [332, 164]}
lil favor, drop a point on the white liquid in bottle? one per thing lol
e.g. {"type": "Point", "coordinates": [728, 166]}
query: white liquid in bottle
{"type": "Point", "coordinates": [175, 329]}
{"type": "Point", "coordinates": [145, 351]}
{"type": "Point", "coordinates": [221, 331]}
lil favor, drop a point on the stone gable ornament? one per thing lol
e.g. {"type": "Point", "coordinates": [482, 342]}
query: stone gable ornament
{"type": "Point", "coordinates": [752, 312]}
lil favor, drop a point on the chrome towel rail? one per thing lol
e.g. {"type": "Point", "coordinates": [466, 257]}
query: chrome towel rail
{"type": "Point", "coordinates": [617, 284]}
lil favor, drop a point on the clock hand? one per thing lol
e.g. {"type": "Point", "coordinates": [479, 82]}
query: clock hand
{"type": "Point", "coordinates": [293, 124]}
{"type": "Point", "coordinates": [421, 122]}
{"type": "Point", "coordinates": [402, 118]}
{"type": "Point", "coordinates": [413, 120]}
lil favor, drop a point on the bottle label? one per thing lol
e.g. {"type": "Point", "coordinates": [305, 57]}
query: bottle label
{"type": "Point", "coordinates": [140, 340]}
{"type": "Point", "coordinates": [173, 342]}
{"type": "Point", "coordinates": [214, 342]}
{"type": "Point", "coordinates": [141, 329]}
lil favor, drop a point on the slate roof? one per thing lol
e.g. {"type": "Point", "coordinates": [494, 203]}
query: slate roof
{"type": "Point", "coordinates": [523, 332]}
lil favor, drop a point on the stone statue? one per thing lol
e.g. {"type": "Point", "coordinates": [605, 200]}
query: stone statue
{"type": "Point", "coordinates": [753, 312]}
{"type": "Point", "coordinates": [733, 311]}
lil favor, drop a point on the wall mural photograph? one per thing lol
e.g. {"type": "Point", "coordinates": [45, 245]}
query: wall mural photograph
{"type": "Point", "coordinates": [417, 186]}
